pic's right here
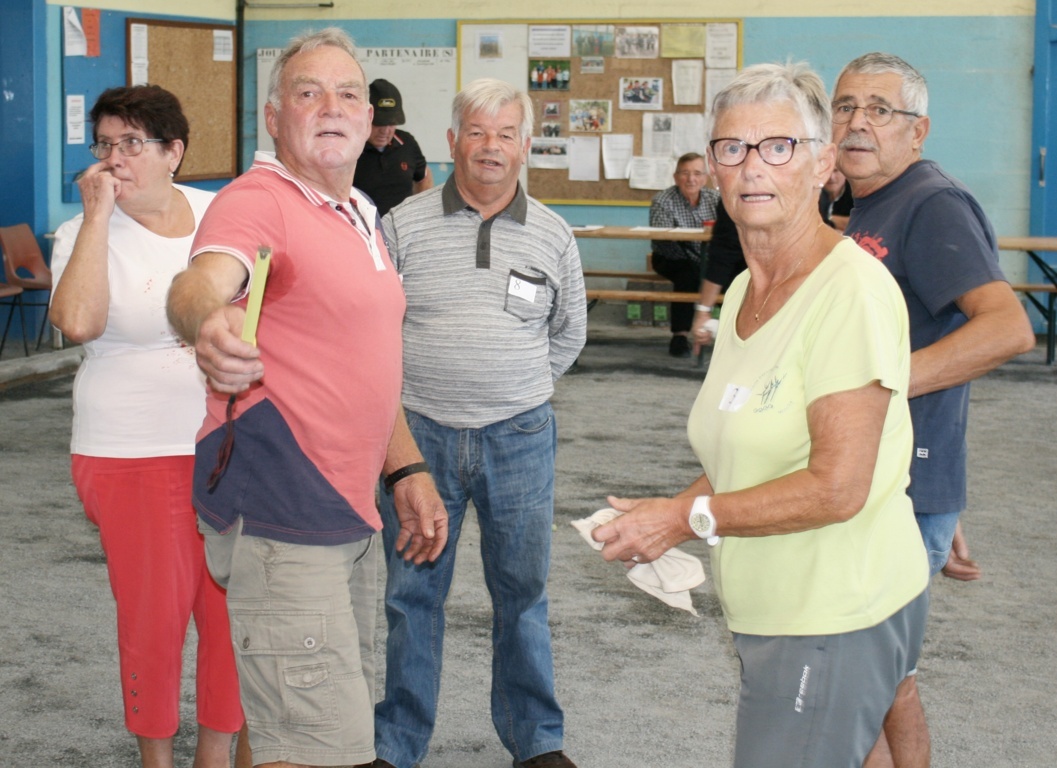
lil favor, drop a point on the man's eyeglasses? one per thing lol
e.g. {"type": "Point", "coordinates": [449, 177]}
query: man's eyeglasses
{"type": "Point", "coordinates": [129, 147]}
{"type": "Point", "coordinates": [877, 115]}
{"type": "Point", "coordinates": [776, 150]}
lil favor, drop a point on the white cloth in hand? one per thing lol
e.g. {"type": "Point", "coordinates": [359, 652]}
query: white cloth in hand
{"type": "Point", "coordinates": [669, 578]}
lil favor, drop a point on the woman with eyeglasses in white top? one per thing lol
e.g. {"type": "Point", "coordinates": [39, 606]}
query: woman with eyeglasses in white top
{"type": "Point", "coordinates": [139, 400]}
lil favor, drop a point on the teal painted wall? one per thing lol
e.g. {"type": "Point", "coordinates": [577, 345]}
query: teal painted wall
{"type": "Point", "coordinates": [979, 75]}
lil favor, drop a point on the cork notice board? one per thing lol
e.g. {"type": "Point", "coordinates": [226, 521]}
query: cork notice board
{"type": "Point", "coordinates": [600, 64]}
{"type": "Point", "coordinates": [196, 62]}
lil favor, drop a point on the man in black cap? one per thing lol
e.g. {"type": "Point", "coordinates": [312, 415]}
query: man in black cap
{"type": "Point", "coordinates": [392, 167]}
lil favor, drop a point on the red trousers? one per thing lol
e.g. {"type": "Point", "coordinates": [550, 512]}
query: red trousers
{"type": "Point", "coordinates": [156, 562]}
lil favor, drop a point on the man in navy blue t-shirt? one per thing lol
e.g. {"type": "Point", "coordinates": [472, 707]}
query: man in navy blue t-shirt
{"type": "Point", "coordinates": [965, 320]}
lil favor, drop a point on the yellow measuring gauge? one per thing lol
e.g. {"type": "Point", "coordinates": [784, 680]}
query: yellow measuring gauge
{"type": "Point", "coordinates": [256, 297]}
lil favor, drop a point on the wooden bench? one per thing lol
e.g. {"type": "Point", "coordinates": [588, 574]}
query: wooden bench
{"type": "Point", "coordinates": [595, 295]}
{"type": "Point", "coordinates": [1043, 296]}
{"type": "Point", "coordinates": [611, 294]}
{"type": "Point", "coordinates": [1047, 306]}
{"type": "Point", "coordinates": [624, 275]}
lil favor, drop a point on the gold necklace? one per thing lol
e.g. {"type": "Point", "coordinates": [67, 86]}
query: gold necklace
{"type": "Point", "coordinates": [756, 315]}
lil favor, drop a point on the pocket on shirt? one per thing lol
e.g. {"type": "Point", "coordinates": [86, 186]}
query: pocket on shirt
{"type": "Point", "coordinates": [526, 295]}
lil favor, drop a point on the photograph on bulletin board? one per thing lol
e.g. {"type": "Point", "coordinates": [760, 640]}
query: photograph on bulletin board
{"type": "Point", "coordinates": [638, 42]}
{"type": "Point", "coordinates": [489, 45]}
{"type": "Point", "coordinates": [593, 65]}
{"type": "Point", "coordinates": [590, 115]}
{"type": "Point", "coordinates": [642, 93]}
{"type": "Point", "coordinates": [548, 74]}
{"type": "Point", "coordinates": [593, 40]}
{"type": "Point", "coordinates": [549, 153]}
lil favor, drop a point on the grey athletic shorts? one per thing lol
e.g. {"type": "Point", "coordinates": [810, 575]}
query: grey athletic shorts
{"type": "Point", "coordinates": [820, 702]}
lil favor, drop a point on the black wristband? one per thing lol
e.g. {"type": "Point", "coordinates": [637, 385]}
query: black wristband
{"type": "Point", "coordinates": [395, 477]}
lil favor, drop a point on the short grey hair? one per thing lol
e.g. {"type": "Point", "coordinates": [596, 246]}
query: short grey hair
{"type": "Point", "coordinates": [308, 41]}
{"type": "Point", "coordinates": [915, 91]}
{"type": "Point", "coordinates": [795, 83]}
{"type": "Point", "coordinates": [689, 157]}
{"type": "Point", "coordinates": [489, 95]}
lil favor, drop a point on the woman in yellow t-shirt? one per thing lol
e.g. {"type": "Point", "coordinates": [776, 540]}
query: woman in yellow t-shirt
{"type": "Point", "coordinates": [803, 432]}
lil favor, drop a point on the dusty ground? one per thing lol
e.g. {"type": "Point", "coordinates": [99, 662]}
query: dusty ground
{"type": "Point", "coordinates": [642, 684]}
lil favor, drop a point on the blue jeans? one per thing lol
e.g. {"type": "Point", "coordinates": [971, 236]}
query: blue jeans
{"type": "Point", "coordinates": [507, 470]}
{"type": "Point", "coordinates": [937, 531]}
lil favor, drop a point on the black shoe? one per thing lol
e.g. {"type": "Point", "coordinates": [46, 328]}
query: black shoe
{"type": "Point", "coordinates": [553, 759]}
{"type": "Point", "coordinates": [679, 346]}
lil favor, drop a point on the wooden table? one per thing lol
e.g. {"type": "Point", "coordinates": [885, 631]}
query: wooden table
{"type": "Point", "coordinates": [637, 233]}
{"type": "Point", "coordinates": [1027, 244]}
{"type": "Point", "coordinates": [1047, 305]}
{"type": "Point", "coordinates": [1042, 295]}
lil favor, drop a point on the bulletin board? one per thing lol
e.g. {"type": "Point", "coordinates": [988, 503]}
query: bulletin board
{"type": "Point", "coordinates": [502, 50]}
{"type": "Point", "coordinates": [183, 59]}
{"type": "Point", "coordinates": [86, 77]}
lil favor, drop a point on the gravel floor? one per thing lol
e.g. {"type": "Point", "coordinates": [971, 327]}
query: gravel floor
{"type": "Point", "coordinates": [642, 684]}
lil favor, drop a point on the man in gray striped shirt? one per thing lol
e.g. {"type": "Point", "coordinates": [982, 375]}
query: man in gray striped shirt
{"type": "Point", "coordinates": [496, 312]}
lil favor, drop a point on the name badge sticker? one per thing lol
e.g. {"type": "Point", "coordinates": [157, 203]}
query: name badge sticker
{"type": "Point", "coordinates": [734, 397]}
{"type": "Point", "coordinates": [522, 288]}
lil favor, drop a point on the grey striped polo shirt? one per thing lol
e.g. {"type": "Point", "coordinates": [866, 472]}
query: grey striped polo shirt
{"type": "Point", "coordinates": [496, 310]}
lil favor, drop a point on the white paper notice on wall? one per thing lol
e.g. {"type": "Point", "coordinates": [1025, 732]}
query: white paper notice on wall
{"type": "Point", "coordinates": [223, 45]}
{"type": "Point", "coordinates": [265, 63]}
{"type": "Point", "coordinates": [138, 54]}
{"type": "Point", "coordinates": [584, 152]}
{"type": "Point", "coordinates": [721, 45]}
{"type": "Point", "coordinates": [75, 118]}
{"type": "Point", "coordinates": [74, 41]}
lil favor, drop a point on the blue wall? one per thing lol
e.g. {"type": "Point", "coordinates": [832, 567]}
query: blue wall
{"type": "Point", "coordinates": [23, 151]}
{"type": "Point", "coordinates": [21, 108]}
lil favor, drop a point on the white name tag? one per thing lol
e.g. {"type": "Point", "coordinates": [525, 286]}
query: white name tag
{"type": "Point", "coordinates": [734, 397]}
{"type": "Point", "coordinates": [521, 288]}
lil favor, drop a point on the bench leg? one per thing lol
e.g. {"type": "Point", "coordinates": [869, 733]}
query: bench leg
{"type": "Point", "coordinates": [1051, 329]}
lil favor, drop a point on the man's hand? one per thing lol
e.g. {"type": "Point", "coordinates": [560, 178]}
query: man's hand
{"type": "Point", "coordinates": [959, 566]}
{"type": "Point", "coordinates": [230, 363]}
{"type": "Point", "coordinates": [423, 518]}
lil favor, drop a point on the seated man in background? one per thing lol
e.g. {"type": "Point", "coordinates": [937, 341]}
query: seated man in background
{"type": "Point", "coordinates": [690, 203]}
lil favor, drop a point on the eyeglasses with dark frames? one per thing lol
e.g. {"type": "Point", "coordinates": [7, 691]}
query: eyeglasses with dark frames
{"type": "Point", "coordinates": [774, 150]}
{"type": "Point", "coordinates": [878, 115]}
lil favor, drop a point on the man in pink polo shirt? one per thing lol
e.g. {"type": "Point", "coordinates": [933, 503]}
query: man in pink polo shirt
{"type": "Point", "coordinates": [300, 427]}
